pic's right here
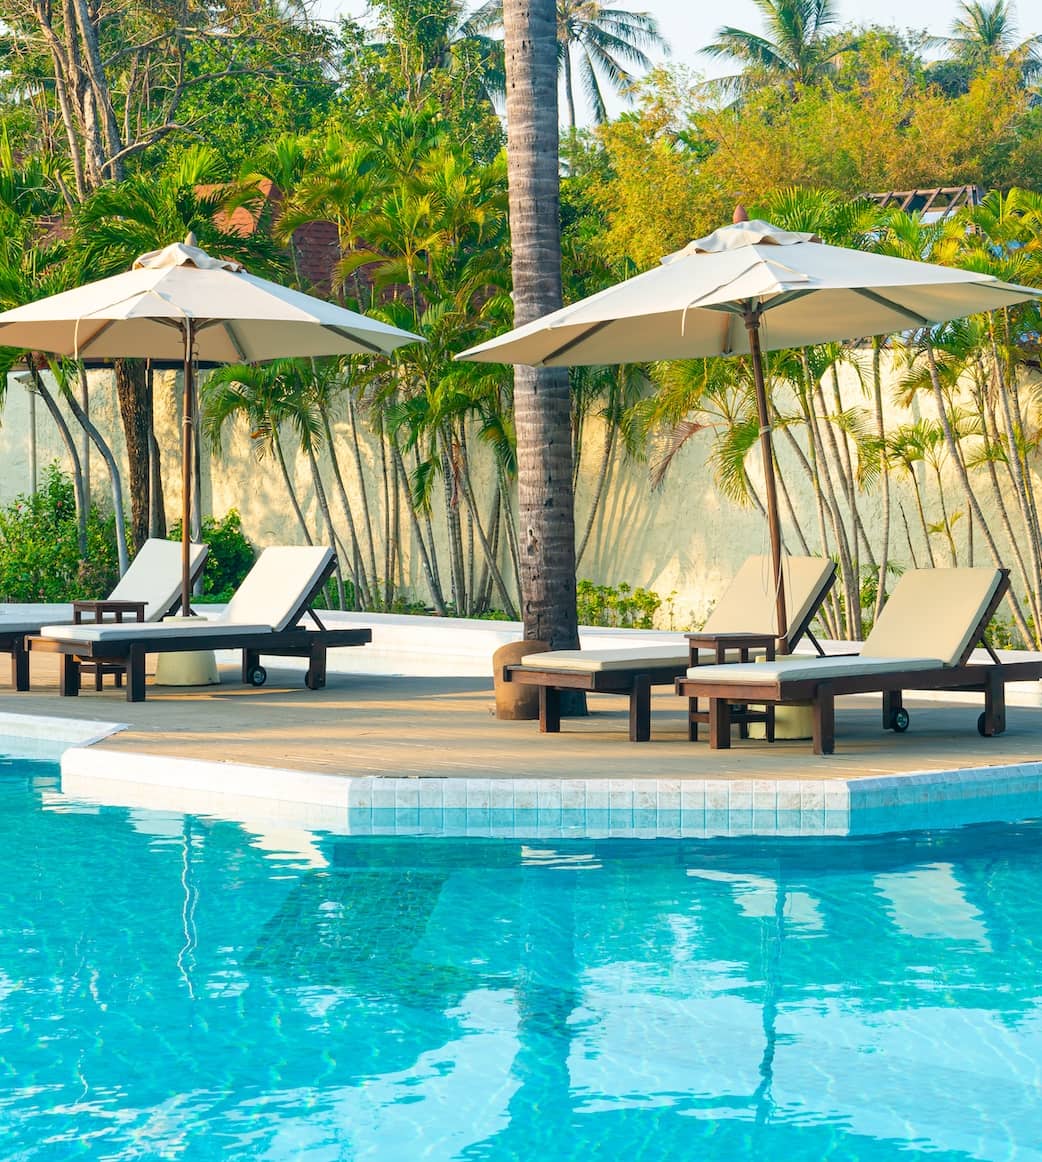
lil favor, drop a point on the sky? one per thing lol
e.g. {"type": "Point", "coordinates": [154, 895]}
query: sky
{"type": "Point", "coordinates": [688, 25]}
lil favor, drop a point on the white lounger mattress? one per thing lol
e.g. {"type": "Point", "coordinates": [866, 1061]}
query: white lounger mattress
{"type": "Point", "coordinates": [117, 632]}
{"type": "Point", "coordinates": [592, 661]}
{"type": "Point", "coordinates": [800, 669]}
{"type": "Point", "coordinates": [28, 618]}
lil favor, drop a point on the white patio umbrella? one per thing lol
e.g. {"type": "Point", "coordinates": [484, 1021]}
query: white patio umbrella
{"type": "Point", "coordinates": [747, 288]}
{"type": "Point", "coordinates": [180, 304]}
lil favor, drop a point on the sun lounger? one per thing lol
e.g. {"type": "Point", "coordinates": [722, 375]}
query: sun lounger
{"type": "Point", "coordinates": [151, 586]}
{"type": "Point", "coordinates": [266, 616]}
{"type": "Point", "coordinates": [922, 640]}
{"type": "Point", "coordinates": [743, 619]}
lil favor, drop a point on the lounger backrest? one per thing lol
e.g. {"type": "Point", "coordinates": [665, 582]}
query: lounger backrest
{"type": "Point", "coordinates": [154, 576]}
{"type": "Point", "coordinates": [278, 586]}
{"type": "Point", "coordinates": [748, 603]}
{"type": "Point", "coordinates": [933, 613]}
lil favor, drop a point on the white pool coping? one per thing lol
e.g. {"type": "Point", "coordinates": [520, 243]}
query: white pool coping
{"type": "Point", "coordinates": [555, 808]}
{"type": "Point", "coordinates": [74, 731]}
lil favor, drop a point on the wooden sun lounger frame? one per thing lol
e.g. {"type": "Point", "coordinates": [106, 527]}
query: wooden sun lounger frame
{"type": "Point", "coordinates": [15, 642]}
{"type": "Point", "coordinates": [986, 678]}
{"type": "Point", "coordinates": [635, 683]}
{"type": "Point", "coordinates": [296, 642]}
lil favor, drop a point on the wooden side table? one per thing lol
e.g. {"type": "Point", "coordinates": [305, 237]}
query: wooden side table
{"type": "Point", "coordinates": [118, 612]}
{"type": "Point", "coordinates": [723, 644]}
{"type": "Point", "coordinates": [107, 610]}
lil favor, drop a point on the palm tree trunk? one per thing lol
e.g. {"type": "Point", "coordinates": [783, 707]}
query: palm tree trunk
{"type": "Point", "coordinates": [542, 403]}
{"type": "Point", "coordinates": [363, 493]}
{"type": "Point", "coordinates": [452, 519]}
{"type": "Point", "coordinates": [971, 496]}
{"type": "Point", "coordinates": [362, 595]}
{"type": "Point", "coordinates": [908, 536]}
{"type": "Point", "coordinates": [135, 409]}
{"type": "Point", "coordinates": [437, 597]}
{"type": "Point", "coordinates": [509, 523]}
{"type": "Point", "coordinates": [115, 480]}
{"type": "Point", "coordinates": [51, 404]}
{"type": "Point", "coordinates": [569, 88]}
{"type": "Point", "coordinates": [298, 512]}
{"type": "Point", "coordinates": [992, 438]}
{"type": "Point", "coordinates": [490, 556]}
{"type": "Point", "coordinates": [327, 519]}
{"type": "Point", "coordinates": [884, 476]}
{"type": "Point", "coordinates": [602, 479]}
{"type": "Point", "coordinates": [851, 588]}
{"type": "Point", "coordinates": [849, 483]}
{"type": "Point", "coordinates": [1009, 408]}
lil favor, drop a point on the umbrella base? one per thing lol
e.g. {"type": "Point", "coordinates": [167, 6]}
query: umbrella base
{"type": "Point", "coordinates": [190, 668]}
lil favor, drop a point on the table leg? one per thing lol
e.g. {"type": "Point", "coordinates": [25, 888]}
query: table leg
{"type": "Point", "coordinates": [136, 674]}
{"type": "Point", "coordinates": [640, 709]}
{"type": "Point", "coordinates": [316, 675]}
{"type": "Point", "coordinates": [20, 666]}
{"type": "Point", "coordinates": [719, 724]}
{"type": "Point", "coordinates": [824, 720]}
{"type": "Point", "coordinates": [549, 710]}
{"type": "Point", "coordinates": [69, 676]}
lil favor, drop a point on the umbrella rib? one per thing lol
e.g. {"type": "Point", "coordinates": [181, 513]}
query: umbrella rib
{"type": "Point", "coordinates": [81, 349]}
{"type": "Point", "coordinates": [565, 347]}
{"type": "Point", "coordinates": [227, 327]}
{"type": "Point", "coordinates": [890, 305]}
{"type": "Point", "coordinates": [344, 333]}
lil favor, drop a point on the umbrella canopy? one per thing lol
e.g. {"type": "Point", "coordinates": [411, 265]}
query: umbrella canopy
{"type": "Point", "coordinates": [743, 289]}
{"type": "Point", "coordinates": [235, 317]}
{"type": "Point", "coordinates": [180, 304]}
{"type": "Point", "coordinates": [694, 304]}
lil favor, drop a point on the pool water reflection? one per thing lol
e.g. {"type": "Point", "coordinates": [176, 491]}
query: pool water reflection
{"type": "Point", "coordinates": [185, 987]}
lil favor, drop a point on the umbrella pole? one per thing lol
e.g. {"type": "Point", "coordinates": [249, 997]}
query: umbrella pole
{"type": "Point", "coordinates": [752, 325]}
{"type": "Point", "coordinates": [188, 425]}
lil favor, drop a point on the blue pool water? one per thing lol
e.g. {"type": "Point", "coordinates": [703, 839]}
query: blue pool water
{"type": "Point", "coordinates": [182, 987]}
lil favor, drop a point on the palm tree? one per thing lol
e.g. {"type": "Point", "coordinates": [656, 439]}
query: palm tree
{"type": "Point", "coordinates": [122, 220]}
{"type": "Point", "coordinates": [985, 33]}
{"type": "Point", "coordinates": [798, 47]}
{"type": "Point", "coordinates": [605, 41]}
{"type": "Point", "coordinates": [542, 401]}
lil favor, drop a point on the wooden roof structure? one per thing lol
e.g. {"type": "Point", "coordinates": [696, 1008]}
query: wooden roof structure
{"type": "Point", "coordinates": [940, 201]}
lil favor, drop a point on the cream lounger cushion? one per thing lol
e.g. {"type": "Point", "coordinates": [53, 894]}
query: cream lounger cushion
{"type": "Point", "coordinates": [154, 576]}
{"type": "Point", "coordinates": [932, 613]}
{"type": "Point", "coordinates": [747, 605]}
{"type": "Point", "coordinates": [108, 631]}
{"type": "Point", "coordinates": [279, 581]}
{"type": "Point", "coordinates": [800, 669]}
{"type": "Point", "coordinates": [597, 660]}
{"type": "Point", "coordinates": [269, 596]}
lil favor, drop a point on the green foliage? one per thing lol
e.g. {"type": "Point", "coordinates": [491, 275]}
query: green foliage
{"type": "Point", "coordinates": [39, 552]}
{"type": "Point", "coordinates": [1002, 634]}
{"type": "Point", "coordinates": [616, 605]}
{"type": "Point", "coordinates": [230, 558]}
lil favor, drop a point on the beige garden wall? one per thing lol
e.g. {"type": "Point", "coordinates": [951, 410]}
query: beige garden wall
{"type": "Point", "coordinates": [683, 538]}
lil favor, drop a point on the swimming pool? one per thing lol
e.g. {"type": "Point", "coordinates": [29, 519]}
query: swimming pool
{"type": "Point", "coordinates": [175, 986]}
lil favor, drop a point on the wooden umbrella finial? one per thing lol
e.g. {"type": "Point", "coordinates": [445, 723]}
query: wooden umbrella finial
{"type": "Point", "coordinates": [740, 214]}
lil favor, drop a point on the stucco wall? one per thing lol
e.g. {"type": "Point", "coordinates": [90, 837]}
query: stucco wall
{"type": "Point", "coordinates": [683, 538]}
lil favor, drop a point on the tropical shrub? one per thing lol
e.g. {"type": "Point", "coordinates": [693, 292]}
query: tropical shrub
{"type": "Point", "coordinates": [39, 551]}
{"type": "Point", "coordinates": [616, 605]}
{"type": "Point", "coordinates": [230, 558]}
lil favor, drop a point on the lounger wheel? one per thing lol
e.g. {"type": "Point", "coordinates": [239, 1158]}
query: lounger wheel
{"type": "Point", "coordinates": [981, 725]}
{"type": "Point", "coordinates": [257, 676]}
{"type": "Point", "coordinates": [901, 720]}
